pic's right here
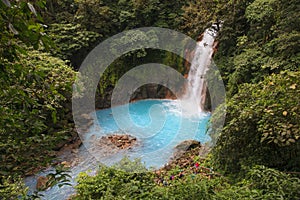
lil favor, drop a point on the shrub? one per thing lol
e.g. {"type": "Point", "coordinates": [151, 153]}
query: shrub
{"type": "Point", "coordinates": [262, 125]}
{"type": "Point", "coordinates": [35, 111]}
{"type": "Point", "coordinates": [115, 183]}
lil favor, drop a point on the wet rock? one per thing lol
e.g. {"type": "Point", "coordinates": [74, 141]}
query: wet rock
{"type": "Point", "coordinates": [75, 151]}
{"type": "Point", "coordinates": [122, 141]}
{"type": "Point", "coordinates": [187, 145]}
{"type": "Point", "coordinates": [72, 139]}
{"type": "Point", "coordinates": [111, 144]}
{"type": "Point", "coordinates": [200, 37]}
{"type": "Point", "coordinates": [185, 159]}
{"type": "Point", "coordinates": [170, 95]}
{"type": "Point", "coordinates": [70, 146]}
{"type": "Point", "coordinates": [144, 93]}
{"type": "Point", "coordinates": [84, 122]}
{"type": "Point", "coordinates": [42, 183]}
{"type": "Point", "coordinates": [161, 92]}
{"type": "Point", "coordinates": [152, 90]}
{"type": "Point", "coordinates": [184, 146]}
{"type": "Point", "coordinates": [66, 164]}
{"type": "Point", "coordinates": [84, 118]}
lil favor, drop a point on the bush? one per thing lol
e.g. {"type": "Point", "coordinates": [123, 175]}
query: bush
{"type": "Point", "coordinates": [260, 182]}
{"type": "Point", "coordinates": [262, 125]}
{"type": "Point", "coordinates": [115, 183]}
{"type": "Point", "coordinates": [273, 183]}
{"type": "Point", "coordinates": [263, 183]}
{"type": "Point", "coordinates": [35, 111]}
{"type": "Point", "coordinates": [11, 189]}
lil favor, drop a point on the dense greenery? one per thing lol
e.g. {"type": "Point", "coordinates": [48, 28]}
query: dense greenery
{"type": "Point", "coordinates": [262, 119]}
{"type": "Point", "coordinates": [43, 41]}
{"type": "Point", "coordinates": [83, 24]}
{"type": "Point", "coordinates": [19, 25]}
{"type": "Point", "coordinates": [114, 183]}
{"type": "Point", "coordinates": [35, 109]}
{"type": "Point", "coordinates": [259, 59]}
{"type": "Point", "coordinates": [35, 91]}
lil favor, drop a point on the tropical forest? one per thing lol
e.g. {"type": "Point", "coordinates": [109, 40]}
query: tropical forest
{"type": "Point", "coordinates": [150, 99]}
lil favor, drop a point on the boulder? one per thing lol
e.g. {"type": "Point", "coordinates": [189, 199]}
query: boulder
{"type": "Point", "coordinates": [122, 141]}
{"type": "Point", "coordinates": [66, 164]}
{"type": "Point", "coordinates": [72, 139]}
{"type": "Point", "coordinates": [84, 118]}
{"type": "Point", "coordinates": [42, 183]}
{"type": "Point", "coordinates": [187, 145]}
{"type": "Point", "coordinates": [112, 144]}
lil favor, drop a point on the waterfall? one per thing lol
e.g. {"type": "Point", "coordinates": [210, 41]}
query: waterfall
{"type": "Point", "coordinates": [193, 99]}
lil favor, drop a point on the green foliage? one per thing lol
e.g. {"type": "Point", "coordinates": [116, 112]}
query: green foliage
{"type": "Point", "coordinates": [258, 45]}
{"type": "Point", "coordinates": [262, 125]}
{"type": "Point", "coordinates": [134, 166]}
{"type": "Point", "coordinates": [35, 109]}
{"type": "Point", "coordinates": [258, 40]}
{"type": "Point", "coordinates": [11, 189]}
{"type": "Point", "coordinates": [197, 16]}
{"type": "Point", "coordinates": [263, 183]}
{"type": "Point", "coordinates": [71, 41]}
{"type": "Point", "coordinates": [97, 16]}
{"type": "Point", "coordinates": [261, 15]}
{"type": "Point", "coordinates": [114, 183]}
{"type": "Point", "coordinates": [80, 25]}
{"type": "Point", "coordinates": [192, 187]}
{"type": "Point", "coordinates": [258, 37]}
{"type": "Point", "coordinates": [19, 25]}
{"type": "Point", "coordinates": [260, 10]}
{"type": "Point", "coordinates": [60, 11]}
{"type": "Point", "coordinates": [111, 183]}
{"type": "Point", "coordinates": [110, 17]}
{"type": "Point", "coordinates": [273, 184]}
{"type": "Point", "coordinates": [60, 177]}
{"type": "Point", "coordinates": [250, 66]}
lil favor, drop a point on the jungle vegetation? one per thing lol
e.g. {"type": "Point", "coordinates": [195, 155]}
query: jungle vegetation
{"type": "Point", "coordinates": [43, 43]}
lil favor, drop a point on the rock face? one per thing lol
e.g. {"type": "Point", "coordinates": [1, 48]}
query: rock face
{"type": "Point", "coordinates": [148, 91]}
{"type": "Point", "coordinates": [185, 146]}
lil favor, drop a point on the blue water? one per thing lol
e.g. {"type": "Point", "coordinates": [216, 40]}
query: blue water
{"type": "Point", "coordinates": [158, 125]}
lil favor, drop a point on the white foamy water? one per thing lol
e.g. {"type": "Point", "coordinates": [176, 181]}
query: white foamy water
{"type": "Point", "coordinates": [194, 98]}
{"type": "Point", "coordinates": [159, 125]}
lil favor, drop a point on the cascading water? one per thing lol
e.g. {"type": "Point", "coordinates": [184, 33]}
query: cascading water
{"type": "Point", "coordinates": [194, 97]}
{"type": "Point", "coordinates": [157, 149]}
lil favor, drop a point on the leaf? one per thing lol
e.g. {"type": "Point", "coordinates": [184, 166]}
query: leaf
{"type": "Point", "coordinates": [54, 118]}
{"type": "Point", "coordinates": [7, 3]}
{"type": "Point", "coordinates": [12, 29]}
{"type": "Point", "coordinates": [291, 140]}
{"type": "Point", "coordinates": [32, 9]}
{"type": "Point", "coordinates": [293, 86]}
